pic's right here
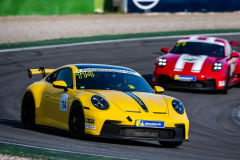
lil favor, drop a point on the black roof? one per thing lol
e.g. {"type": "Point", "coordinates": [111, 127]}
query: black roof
{"type": "Point", "coordinates": [82, 66]}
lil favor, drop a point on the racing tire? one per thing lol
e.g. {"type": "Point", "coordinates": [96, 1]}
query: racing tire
{"type": "Point", "coordinates": [238, 84]}
{"type": "Point", "coordinates": [76, 121]}
{"type": "Point", "coordinates": [225, 90]}
{"type": "Point", "coordinates": [28, 112]}
{"type": "Point", "coordinates": [167, 144]}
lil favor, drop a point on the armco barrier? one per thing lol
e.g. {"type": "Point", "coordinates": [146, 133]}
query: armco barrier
{"type": "Point", "coordinates": [46, 7]}
{"type": "Point", "coordinates": [182, 5]}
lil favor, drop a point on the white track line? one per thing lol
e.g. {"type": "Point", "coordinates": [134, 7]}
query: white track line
{"type": "Point", "coordinates": [114, 41]}
{"type": "Point", "coordinates": [23, 145]}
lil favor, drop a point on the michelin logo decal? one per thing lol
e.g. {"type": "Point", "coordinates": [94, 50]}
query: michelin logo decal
{"type": "Point", "coordinates": [146, 123]}
{"type": "Point", "coordinates": [152, 4]}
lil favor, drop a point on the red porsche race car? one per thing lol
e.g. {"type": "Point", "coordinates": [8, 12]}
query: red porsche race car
{"type": "Point", "coordinates": [199, 63]}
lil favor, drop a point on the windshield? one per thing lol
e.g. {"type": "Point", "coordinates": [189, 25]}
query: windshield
{"type": "Point", "coordinates": [111, 79]}
{"type": "Point", "coordinates": [199, 48]}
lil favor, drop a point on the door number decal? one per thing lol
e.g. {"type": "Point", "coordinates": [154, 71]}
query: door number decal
{"type": "Point", "coordinates": [63, 102]}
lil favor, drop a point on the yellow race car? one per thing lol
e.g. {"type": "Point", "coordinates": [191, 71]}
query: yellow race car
{"type": "Point", "coordinates": [105, 101]}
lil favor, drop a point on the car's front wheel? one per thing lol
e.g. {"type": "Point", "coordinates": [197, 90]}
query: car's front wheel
{"type": "Point", "coordinates": [170, 144]}
{"type": "Point", "coordinates": [225, 90]}
{"type": "Point", "coordinates": [28, 112]}
{"type": "Point", "coordinates": [76, 121]}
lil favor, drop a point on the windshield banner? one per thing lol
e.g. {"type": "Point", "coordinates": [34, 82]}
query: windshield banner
{"type": "Point", "coordinates": [106, 70]}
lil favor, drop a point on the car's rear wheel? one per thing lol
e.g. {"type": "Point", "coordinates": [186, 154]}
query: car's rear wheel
{"type": "Point", "coordinates": [28, 112]}
{"type": "Point", "coordinates": [170, 144]}
{"type": "Point", "coordinates": [225, 90]}
{"type": "Point", "coordinates": [76, 121]}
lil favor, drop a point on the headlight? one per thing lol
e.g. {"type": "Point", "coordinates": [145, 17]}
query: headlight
{"type": "Point", "coordinates": [217, 66]}
{"type": "Point", "coordinates": [178, 106]}
{"type": "Point", "coordinates": [162, 62]}
{"type": "Point", "coordinates": [99, 102]}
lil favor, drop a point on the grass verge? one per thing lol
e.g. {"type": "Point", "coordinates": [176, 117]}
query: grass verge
{"type": "Point", "coordinates": [109, 37]}
{"type": "Point", "coordinates": [46, 154]}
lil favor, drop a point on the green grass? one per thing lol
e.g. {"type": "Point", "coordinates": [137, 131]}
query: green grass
{"type": "Point", "coordinates": [109, 37]}
{"type": "Point", "coordinates": [47, 154]}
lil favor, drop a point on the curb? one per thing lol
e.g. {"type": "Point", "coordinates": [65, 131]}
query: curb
{"type": "Point", "coordinates": [48, 153]}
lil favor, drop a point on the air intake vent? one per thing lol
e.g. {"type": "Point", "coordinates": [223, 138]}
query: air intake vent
{"type": "Point", "coordinates": [146, 133]}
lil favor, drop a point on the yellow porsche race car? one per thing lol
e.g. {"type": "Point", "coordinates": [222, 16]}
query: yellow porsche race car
{"type": "Point", "coordinates": [105, 101]}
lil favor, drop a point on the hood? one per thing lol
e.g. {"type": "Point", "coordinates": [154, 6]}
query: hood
{"type": "Point", "coordinates": [191, 63]}
{"type": "Point", "coordinates": [135, 101]}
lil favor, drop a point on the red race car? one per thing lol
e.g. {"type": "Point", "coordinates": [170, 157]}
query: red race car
{"type": "Point", "coordinates": [199, 63]}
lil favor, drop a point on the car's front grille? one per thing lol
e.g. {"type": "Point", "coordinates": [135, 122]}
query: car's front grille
{"type": "Point", "coordinates": [186, 84]}
{"type": "Point", "coordinates": [165, 81]}
{"type": "Point", "coordinates": [147, 133]}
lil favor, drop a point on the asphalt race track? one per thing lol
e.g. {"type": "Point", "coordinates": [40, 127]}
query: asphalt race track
{"type": "Point", "coordinates": [213, 132]}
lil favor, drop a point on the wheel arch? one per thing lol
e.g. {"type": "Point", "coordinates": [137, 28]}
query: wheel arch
{"type": "Point", "coordinates": [37, 92]}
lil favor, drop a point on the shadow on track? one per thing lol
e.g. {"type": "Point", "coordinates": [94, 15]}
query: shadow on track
{"type": "Point", "coordinates": [11, 123]}
{"type": "Point", "coordinates": [61, 133]}
{"type": "Point", "coordinates": [56, 132]}
{"type": "Point", "coordinates": [66, 134]}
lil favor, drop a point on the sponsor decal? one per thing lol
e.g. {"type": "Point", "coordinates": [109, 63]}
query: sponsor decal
{"type": "Point", "coordinates": [143, 123]}
{"type": "Point", "coordinates": [138, 100]}
{"type": "Point", "coordinates": [90, 126]}
{"type": "Point", "coordinates": [150, 4]}
{"type": "Point", "coordinates": [221, 83]}
{"type": "Point", "coordinates": [190, 59]}
{"type": "Point", "coordinates": [85, 74]}
{"type": "Point", "coordinates": [197, 61]}
{"type": "Point", "coordinates": [63, 102]}
{"type": "Point", "coordinates": [184, 78]}
{"type": "Point", "coordinates": [210, 40]}
{"type": "Point", "coordinates": [90, 120]}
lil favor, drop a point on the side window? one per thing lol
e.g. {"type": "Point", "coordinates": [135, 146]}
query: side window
{"type": "Point", "coordinates": [52, 77]}
{"type": "Point", "coordinates": [62, 75]}
{"type": "Point", "coordinates": [66, 75]}
{"type": "Point", "coordinates": [228, 49]}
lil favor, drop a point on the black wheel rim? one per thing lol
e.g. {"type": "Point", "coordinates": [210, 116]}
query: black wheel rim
{"type": "Point", "coordinates": [226, 81]}
{"type": "Point", "coordinates": [76, 120]}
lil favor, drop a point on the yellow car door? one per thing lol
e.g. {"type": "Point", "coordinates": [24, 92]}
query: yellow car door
{"type": "Point", "coordinates": [56, 106]}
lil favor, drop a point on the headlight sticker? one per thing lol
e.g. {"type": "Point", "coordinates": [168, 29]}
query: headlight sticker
{"type": "Point", "coordinates": [63, 102]}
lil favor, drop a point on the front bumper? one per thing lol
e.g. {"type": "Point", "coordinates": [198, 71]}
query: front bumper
{"type": "Point", "coordinates": [142, 133]}
{"type": "Point", "coordinates": [167, 82]}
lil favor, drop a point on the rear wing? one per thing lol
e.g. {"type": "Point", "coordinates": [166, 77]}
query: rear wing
{"type": "Point", "coordinates": [234, 43]}
{"type": "Point", "coordinates": [41, 70]}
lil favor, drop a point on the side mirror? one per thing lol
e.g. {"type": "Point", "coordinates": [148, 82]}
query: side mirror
{"type": "Point", "coordinates": [234, 43]}
{"type": "Point", "coordinates": [164, 49]}
{"type": "Point", "coordinates": [234, 54]}
{"type": "Point", "coordinates": [60, 84]}
{"type": "Point", "coordinates": [158, 90]}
